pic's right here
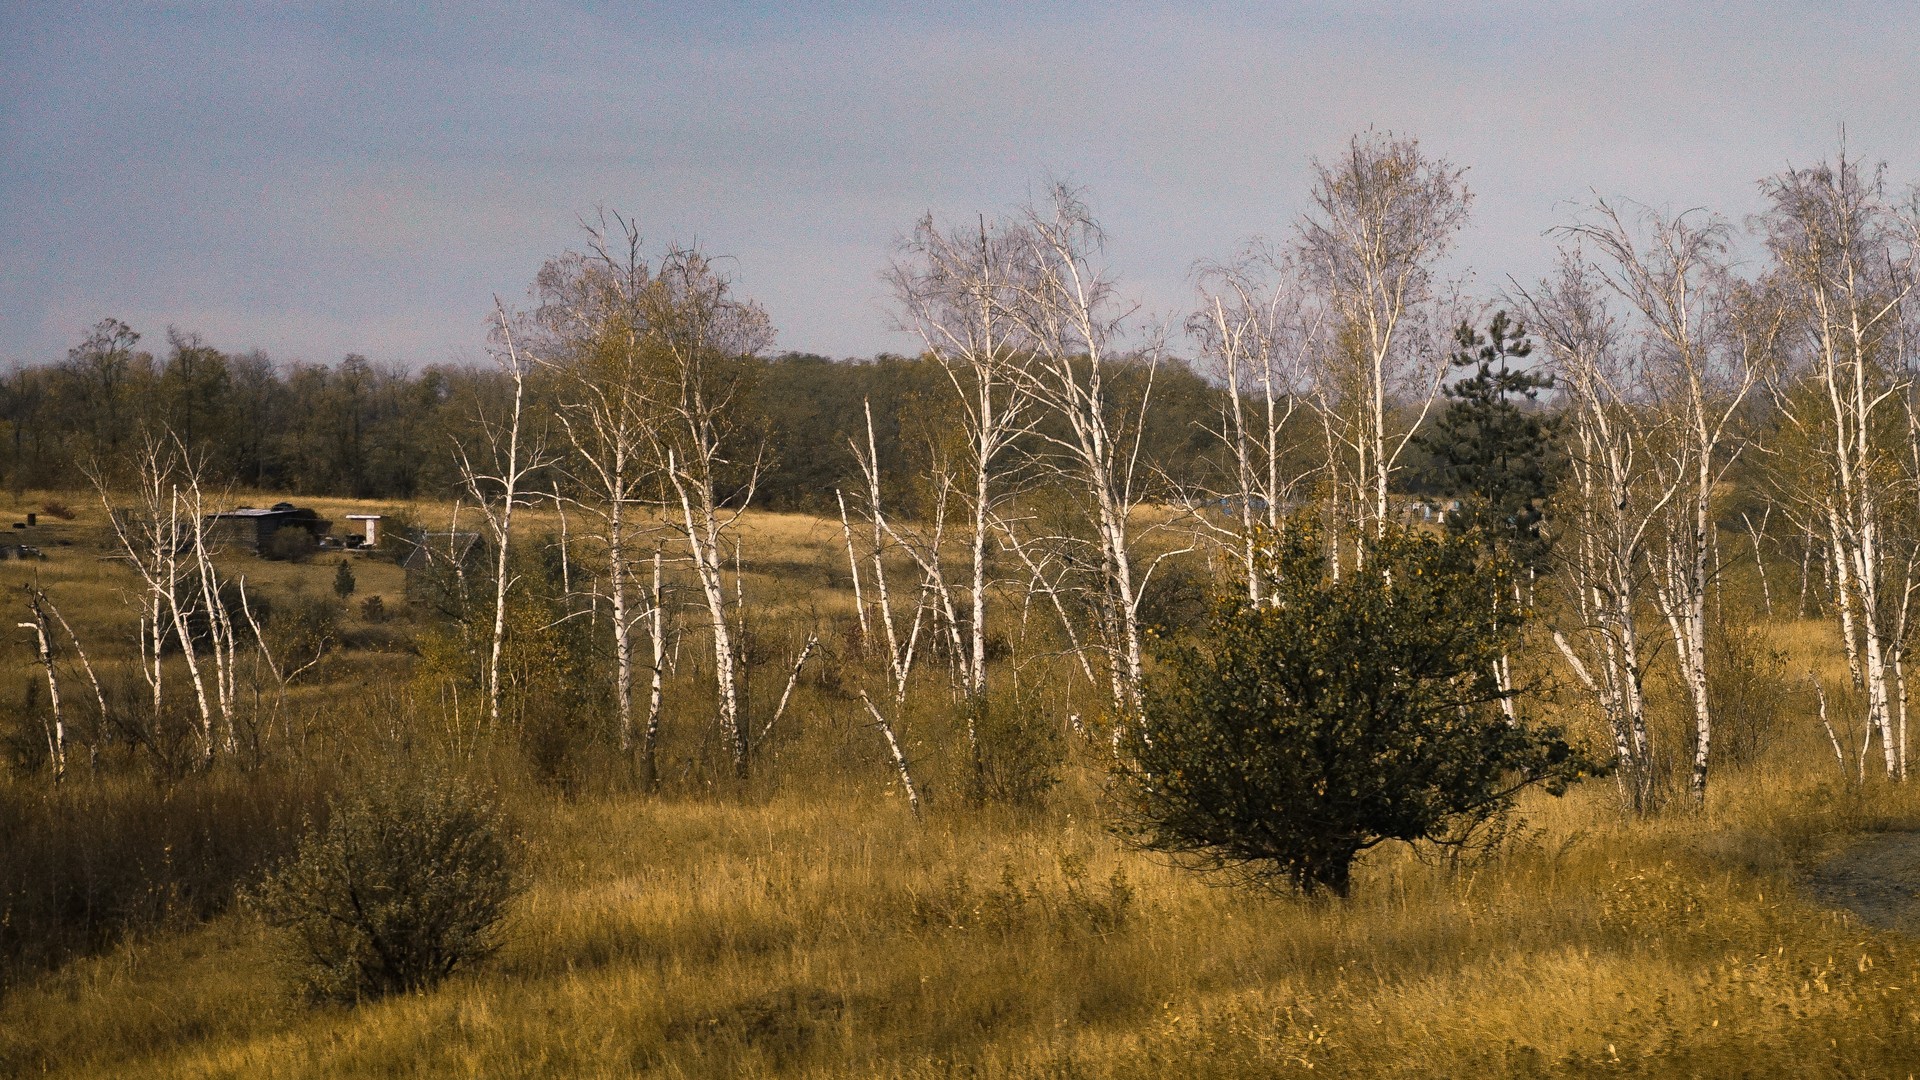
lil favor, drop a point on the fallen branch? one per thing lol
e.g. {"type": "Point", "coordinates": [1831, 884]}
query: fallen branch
{"type": "Point", "coordinates": [793, 679]}
{"type": "Point", "coordinates": [1820, 693]}
{"type": "Point", "coordinates": [899, 759]}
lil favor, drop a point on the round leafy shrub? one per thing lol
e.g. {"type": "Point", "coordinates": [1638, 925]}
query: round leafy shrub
{"type": "Point", "coordinates": [291, 544]}
{"type": "Point", "coordinates": [1341, 711]}
{"type": "Point", "coordinates": [405, 884]}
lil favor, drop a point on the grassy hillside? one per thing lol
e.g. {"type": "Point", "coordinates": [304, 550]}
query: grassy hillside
{"type": "Point", "coordinates": [829, 934]}
{"type": "Point", "coordinates": [803, 923]}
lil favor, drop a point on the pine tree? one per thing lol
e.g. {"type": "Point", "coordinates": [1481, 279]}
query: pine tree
{"type": "Point", "coordinates": [1489, 451]}
{"type": "Point", "coordinates": [343, 583]}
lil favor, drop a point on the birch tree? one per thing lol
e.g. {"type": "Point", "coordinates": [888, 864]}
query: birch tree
{"type": "Point", "coordinates": [1256, 333]}
{"type": "Point", "coordinates": [1844, 262]}
{"type": "Point", "coordinates": [193, 512]}
{"type": "Point", "coordinates": [1071, 318]}
{"type": "Point", "coordinates": [1698, 361]}
{"type": "Point", "coordinates": [1384, 215]}
{"type": "Point", "coordinates": [703, 333]}
{"type": "Point", "coordinates": [953, 288]}
{"type": "Point", "coordinates": [56, 724]}
{"type": "Point", "coordinates": [593, 312]}
{"type": "Point", "coordinates": [1602, 511]}
{"type": "Point", "coordinates": [44, 606]}
{"type": "Point", "coordinates": [163, 550]}
{"type": "Point", "coordinates": [901, 650]}
{"type": "Point", "coordinates": [495, 474]}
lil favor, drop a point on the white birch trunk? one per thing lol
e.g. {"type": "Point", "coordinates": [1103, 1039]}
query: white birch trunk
{"type": "Point", "coordinates": [703, 546]}
{"type": "Point", "coordinates": [899, 756]}
{"type": "Point", "coordinates": [57, 732]}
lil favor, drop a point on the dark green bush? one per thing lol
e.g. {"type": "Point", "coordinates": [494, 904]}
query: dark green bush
{"type": "Point", "coordinates": [291, 544]}
{"type": "Point", "coordinates": [1338, 713]}
{"type": "Point", "coordinates": [404, 886]}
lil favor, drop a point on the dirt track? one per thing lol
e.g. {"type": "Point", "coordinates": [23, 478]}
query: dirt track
{"type": "Point", "coordinates": [1877, 879]}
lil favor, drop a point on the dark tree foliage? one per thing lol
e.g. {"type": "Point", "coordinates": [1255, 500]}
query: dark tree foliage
{"type": "Point", "coordinates": [1490, 451]}
{"type": "Point", "coordinates": [809, 406]}
{"type": "Point", "coordinates": [355, 428]}
{"type": "Point", "coordinates": [1289, 736]}
{"type": "Point", "coordinates": [380, 431]}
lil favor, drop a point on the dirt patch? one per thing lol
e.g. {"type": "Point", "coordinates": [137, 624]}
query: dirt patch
{"type": "Point", "coordinates": [1877, 879]}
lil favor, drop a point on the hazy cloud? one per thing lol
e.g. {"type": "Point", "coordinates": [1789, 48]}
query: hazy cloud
{"type": "Point", "coordinates": [321, 180]}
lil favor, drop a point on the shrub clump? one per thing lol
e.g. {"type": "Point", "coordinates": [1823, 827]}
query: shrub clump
{"type": "Point", "coordinates": [290, 544]}
{"type": "Point", "coordinates": [1020, 753]}
{"type": "Point", "coordinates": [405, 884]}
{"type": "Point", "coordinates": [1340, 711]}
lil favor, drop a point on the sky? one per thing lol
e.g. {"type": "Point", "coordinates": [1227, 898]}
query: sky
{"type": "Point", "coordinates": [318, 180]}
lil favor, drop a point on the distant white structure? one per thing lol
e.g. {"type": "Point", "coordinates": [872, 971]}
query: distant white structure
{"type": "Point", "coordinates": [373, 528]}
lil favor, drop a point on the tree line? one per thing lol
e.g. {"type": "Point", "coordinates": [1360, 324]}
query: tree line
{"type": "Point", "coordinates": [368, 430]}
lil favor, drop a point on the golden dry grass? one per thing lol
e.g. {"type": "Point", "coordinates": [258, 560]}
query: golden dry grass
{"type": "Point", "coordinates": [815, 936]}
{"type": "Point", "coordinates": [808, 926]}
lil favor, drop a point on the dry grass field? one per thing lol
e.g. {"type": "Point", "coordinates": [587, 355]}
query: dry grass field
{"type": "Point", "coordinates": [803, 923]}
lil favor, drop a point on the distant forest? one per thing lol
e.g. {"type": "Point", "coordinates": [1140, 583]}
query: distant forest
{"type": "Point", "coordinates": [369, 430]}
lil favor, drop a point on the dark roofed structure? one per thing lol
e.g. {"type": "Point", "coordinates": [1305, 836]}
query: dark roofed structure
{"type": "Point", "coordinates": [255, 527]}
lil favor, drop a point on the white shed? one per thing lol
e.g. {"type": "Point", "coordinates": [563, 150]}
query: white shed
{"type": "Point", "coordinates": [372, 522]}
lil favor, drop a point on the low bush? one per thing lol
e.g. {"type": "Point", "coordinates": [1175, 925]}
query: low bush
{"type": "Point", "coordinates": [1749, 691]}
{"type": "Point", "coordinates": [1020, 753]}
{"type": "Point", "coordinates": [290, 544]}
{"type": "Point", "coordinates": [404, 885]}
{"type": "Point", "coordinates": [302, 629]}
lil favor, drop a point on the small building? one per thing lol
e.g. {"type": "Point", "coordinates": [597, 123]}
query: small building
{"type": "Point", "coordinates": [372, 524]}
{"type": "Point", "coordinates": [254, 528]}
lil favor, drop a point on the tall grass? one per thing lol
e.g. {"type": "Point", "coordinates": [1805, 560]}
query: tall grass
{"type": "Point", "coordinates": [828, 934]}
{"type": "Point", "coordinates": [805, 924]}
{"type": "Point", "coordinates": [82, 866]}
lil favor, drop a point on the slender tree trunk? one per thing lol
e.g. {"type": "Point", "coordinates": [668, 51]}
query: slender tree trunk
{"type": "Point", "coordinates": [57, 731]}
{"type": "Point", "coordinates": [656, 616]}
{"type": "Point", "coordinates": [703, 544]}
{"type": "Point", "coordinates": [185, 635]}
{"type": "Point", "coordinates": [793, 680]}
{"type": "Point", "coordinates": [622, 626]}
{"type": "Point", "coordinates": [86, 665]}
{"type": "Point", "coordinates": [977, 550]}
{"type": "Point", "coordinates": [899, 757]}
{"type": "Point", "coordinates": [853, 565]}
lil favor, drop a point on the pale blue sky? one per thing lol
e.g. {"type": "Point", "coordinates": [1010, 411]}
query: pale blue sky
{"type": "Point", "coordinates": [318, 180]}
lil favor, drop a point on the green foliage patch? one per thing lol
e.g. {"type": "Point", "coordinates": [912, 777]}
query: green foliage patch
{"type": "Point", "coordinates": [403, 886]}
{"type": "Point", "coordinates": [1353, 706]}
